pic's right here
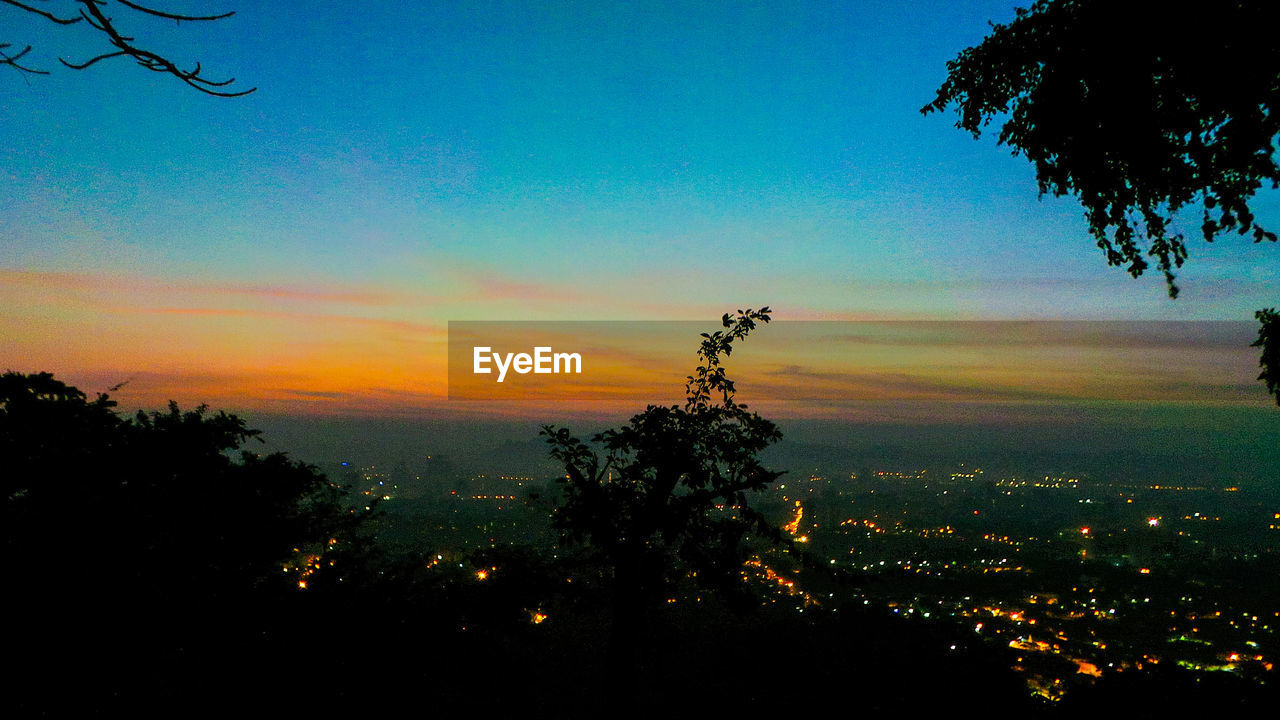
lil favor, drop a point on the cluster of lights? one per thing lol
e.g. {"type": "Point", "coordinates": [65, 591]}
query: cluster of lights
{"type": "Point", "coordinates": [309, 563]}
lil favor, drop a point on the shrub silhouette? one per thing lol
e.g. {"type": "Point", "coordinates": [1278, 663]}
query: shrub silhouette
{"type": "Point", "coordinates": [665, 497]}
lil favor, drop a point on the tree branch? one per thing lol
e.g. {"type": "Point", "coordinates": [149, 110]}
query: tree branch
{"type": "Point", "coordinates": [12, 60]}
{"type": "Point", "coordinates": [171, 16]}
{"type": "Point", "coordinates": [146, 58]}
{"type": "Point", "coordinates": [42, 13]}
{"type": "Point", "coordinates": [91, 61]}
{"type": "Point", "coordinates": [1269, 341]}
{"type": "Point", "coordinates": [91, 11]}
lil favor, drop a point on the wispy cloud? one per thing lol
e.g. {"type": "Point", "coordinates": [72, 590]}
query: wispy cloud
{"type": "Point", "coordinates": [141, 284]}
{"type": "Point", "coordinates": [434, 330]}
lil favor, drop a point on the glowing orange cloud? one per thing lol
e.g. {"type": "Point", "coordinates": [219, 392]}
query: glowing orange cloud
{"type": "Point", "coordinates": [320, 350]}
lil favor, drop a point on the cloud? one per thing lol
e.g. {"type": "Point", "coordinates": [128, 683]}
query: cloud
{"type": "Point", "coordinates": [1101, 334]}
{"type": "Point", "coordinates": [434, 330]}
{"type": "Point", "coordinates": [143, 284]}
{"type": "Point", "coordinates": [326, 395]}
{"type": "Point", "coordinates": [838, 386]}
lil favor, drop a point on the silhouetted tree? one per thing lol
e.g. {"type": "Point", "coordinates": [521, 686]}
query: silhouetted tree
{"type": "Point", "coordinates": [128, 543]}
{"type": "Point", "coordinates": [97, 14]}
{"type": "Point", "coordinates": [1140, 111]}
{"type": "Point", "coordinates": [666, 496]}
{"type": "Point", "coordinates": [1269, 341]}
{"type": "Point", "coordinates": [161, 490]}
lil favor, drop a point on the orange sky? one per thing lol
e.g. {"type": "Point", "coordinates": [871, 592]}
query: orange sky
{"type": "Point", "coordinates": [362, 350]}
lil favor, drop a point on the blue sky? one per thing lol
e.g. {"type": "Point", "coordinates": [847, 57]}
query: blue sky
{"type": "Point", "coordinates": [416, 164]}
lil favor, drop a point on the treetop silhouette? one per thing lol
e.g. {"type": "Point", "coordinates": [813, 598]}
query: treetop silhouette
{"type": "Point", "coordinates": [174, 494]}
{"type": "Point", "coordinates": [1141, 112]}
{"type": "Point", "coordinates": [665, 497]}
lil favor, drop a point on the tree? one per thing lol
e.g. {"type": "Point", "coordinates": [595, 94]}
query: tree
{"type": "Point", "coordinates": [1142, 113]}
{"type": "Point", "coordinates": [159, 500]}
{"type": "Point", "coordinates": [153, 546]}
{"type": "Point", "coordinates": [665, 498]}
{"type": "Point", "coordinates": [94, 13]}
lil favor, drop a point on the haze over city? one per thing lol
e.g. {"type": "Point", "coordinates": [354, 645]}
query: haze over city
{"type": "Point", "coordinates": [963, 422]}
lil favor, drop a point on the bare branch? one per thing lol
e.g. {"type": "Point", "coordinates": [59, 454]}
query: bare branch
{"type": "Point", "coordinates": [42, 13]}
{"type": "Point", "coordinates": [171, 16]}
{"type": "Point", "coordinates": [92, 22]}
{"type": "Point", "coordinates": [91, 61]}
{"type": "Point", "coordinates": [146, 58]}
{"type": "Point", "coordinates": [91, 11]}
{"type": "Point", "coordinates": [12, 60]}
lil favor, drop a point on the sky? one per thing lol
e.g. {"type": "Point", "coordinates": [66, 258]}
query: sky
{"type": "Point", "coordinates": [300, 251]}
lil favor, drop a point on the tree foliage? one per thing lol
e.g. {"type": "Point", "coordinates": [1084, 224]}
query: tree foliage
{"type": "Point", "coordinates": [97, 14]}
{"type": "Point", "coordinates": [1141, 112]}
{"type": "Point", "coordinates": [665, 497]}
{"type": "Point", "coordinates": [156, 557]}
{"type": "Point", "coordinates": [1269, 341]}
{"type": "Point", "coordinates": [169, 496]}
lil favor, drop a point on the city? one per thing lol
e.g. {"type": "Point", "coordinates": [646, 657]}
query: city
{"type": "Point", "coordinates": [1075, 578]}
{"type": "Point", "coordinates": [372, 359]}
